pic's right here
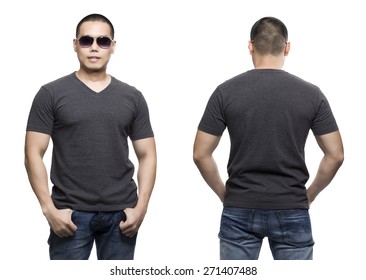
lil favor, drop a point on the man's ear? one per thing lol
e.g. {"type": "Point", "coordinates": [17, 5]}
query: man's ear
{"type": "Point", "coordinates": [250, 47]}
{"type": "Point", "coordinates": [114, 46]}
{"type": "Point", "coordinates": [74, 42]}
{"type": "Point", "coordinates": [287, 48]}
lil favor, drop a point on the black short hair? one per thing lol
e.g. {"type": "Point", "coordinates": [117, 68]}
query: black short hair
{"type": "Point", "coordinates": [269, 36]}
{"type": "Point", "coordinates": [95, 17]}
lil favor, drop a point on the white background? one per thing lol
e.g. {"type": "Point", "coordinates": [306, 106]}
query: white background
{"type": "Point", "coordinates": [176, 53]}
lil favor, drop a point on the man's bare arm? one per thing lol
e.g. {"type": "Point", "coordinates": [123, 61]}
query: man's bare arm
{"type": "Point", "coordinates": [332, 147]}
{"type": "Point", "coordinates": [36, 145]}
{"type": "Point", "coordinates": [145, 150]}
{"type": "Point", "coordinates": [204, 146]}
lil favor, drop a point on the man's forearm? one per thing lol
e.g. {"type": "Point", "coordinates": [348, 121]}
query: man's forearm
{"type": "Point", "coordinates": [328, 168]}
{"type": "Point", "coordinates": [38, 179]}
{"type": "Point", "coordinates": [146, 180]}
{"type": "Point", "coordinates": [210, 173]}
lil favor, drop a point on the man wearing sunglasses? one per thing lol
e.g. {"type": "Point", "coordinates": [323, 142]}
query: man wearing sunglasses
{"type": "Point", "coordinates": [89, 115]}
{"type": "Point", "coordinates": [268, 113]}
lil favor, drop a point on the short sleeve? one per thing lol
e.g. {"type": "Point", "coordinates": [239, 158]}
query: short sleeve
{"type": "Point", "coordinates": [41, 117]}
{"type": "Point", "coordinates": [141, 125]}
{"type": "Point", "coordinates": [324, 121]}
{"type": "Point", "coordinates": [213, 119]}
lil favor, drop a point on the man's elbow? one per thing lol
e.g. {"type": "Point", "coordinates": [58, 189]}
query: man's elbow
{"type": "Point", "coordinates": [26, 161]}
{"type": "Point", "coordinates": [339, 159]}
{"type": "Point", "coordinates": [198, 157]}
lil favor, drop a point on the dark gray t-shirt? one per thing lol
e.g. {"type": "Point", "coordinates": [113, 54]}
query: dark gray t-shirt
{"type": "Point", "coordinates": [268, 114]}
{"type": "Point", "coordinates": [91, 170]}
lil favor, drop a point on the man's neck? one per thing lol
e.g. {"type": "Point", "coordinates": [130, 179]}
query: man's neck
{"type": "Point", "coordinates": [96, 81]}
{"type": "Point", "coordinates": [92, 76]}
{"type": "Point", "coordinates": [268, 62]}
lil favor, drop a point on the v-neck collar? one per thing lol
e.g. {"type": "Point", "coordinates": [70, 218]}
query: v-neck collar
{"type": "Point", "coordinates": [86, 87]}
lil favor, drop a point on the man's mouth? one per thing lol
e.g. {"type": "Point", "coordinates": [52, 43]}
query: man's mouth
{"type": "Point", "coordinates": [93, 58]}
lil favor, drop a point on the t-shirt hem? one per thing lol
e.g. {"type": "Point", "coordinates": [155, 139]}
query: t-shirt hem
{"type": "Point", "coordinates": [209, 130]}
{"type": "Point", "coordinates": [37, 129]}
{"type": "Point", "coordinates": [96, 208]}
{"type": "Point", "coordinates": [142, 136]}
{"type": "Point", "coordinates": [325, 131]}
{"type": "Point", "coordinates": [266, 206]}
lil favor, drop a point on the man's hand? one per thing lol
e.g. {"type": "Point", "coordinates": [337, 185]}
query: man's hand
{"type": "Point", "coordinates": [61, 223]}
{"type": "Point", "coordinates": [134, 218]}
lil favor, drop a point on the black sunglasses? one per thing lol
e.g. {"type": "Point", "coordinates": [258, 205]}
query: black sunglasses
{"type": "Point", "coordinates": [87, 41]}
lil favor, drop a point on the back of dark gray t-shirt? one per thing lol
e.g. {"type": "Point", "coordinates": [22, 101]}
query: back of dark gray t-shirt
{"type": "Point", "coordinates": [90, 168]}
{"type": "Point", "coordinates": [268, 114]}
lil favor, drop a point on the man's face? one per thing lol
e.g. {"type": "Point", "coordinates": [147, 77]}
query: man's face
{"type": "Point", "coordinates": [94, 58]}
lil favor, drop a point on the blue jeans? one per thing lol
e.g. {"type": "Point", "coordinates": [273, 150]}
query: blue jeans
{"type": "Point", "coordinates": [101, 227]}
{"type": "Point", "coordinates": [288, 231]}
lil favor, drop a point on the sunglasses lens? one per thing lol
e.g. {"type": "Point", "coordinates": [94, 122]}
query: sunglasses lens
{"type": "Point", "coordinates": [86, 41]}
{"type": "Point", "coordinates": [104, 42]}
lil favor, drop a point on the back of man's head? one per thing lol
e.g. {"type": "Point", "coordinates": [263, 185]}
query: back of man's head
{"type": "Point", "coordinates": [269, 36]}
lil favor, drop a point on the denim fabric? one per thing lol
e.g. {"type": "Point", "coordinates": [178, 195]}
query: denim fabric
{"type": "Point", "coordinates": [288, 231]}
{"type": "Point", "coordinates": [101, 227]}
